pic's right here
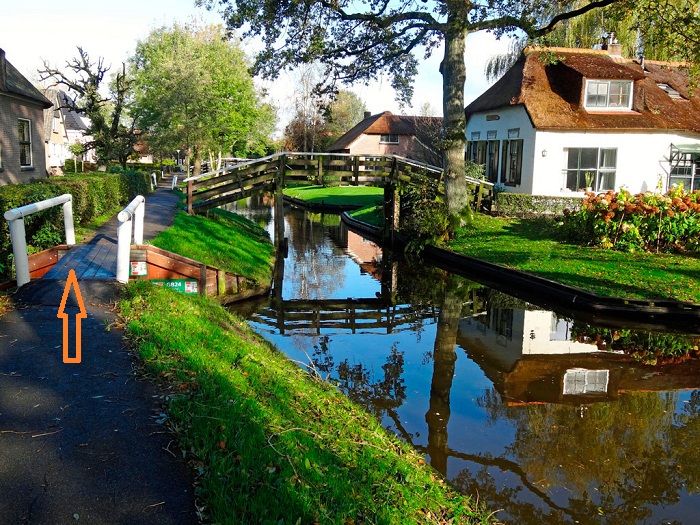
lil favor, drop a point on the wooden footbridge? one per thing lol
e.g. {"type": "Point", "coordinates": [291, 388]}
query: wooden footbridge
{"type": "Point", "coordinates": [274, 172]}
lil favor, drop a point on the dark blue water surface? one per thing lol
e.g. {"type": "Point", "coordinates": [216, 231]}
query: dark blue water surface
{"type": "Point", "coordinates": [542, 416]}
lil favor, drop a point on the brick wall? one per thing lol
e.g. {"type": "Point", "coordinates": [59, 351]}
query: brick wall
{"type": "Point", "coordinates": [12, 109]}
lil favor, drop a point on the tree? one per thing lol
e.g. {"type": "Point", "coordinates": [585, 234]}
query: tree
{"type": "Point", "coordinates": [359, 40]}
{"type": "Point", "coordinates": [193, 92]}
{"type": "Point", "coordinates": [113, 136]}
{"type": "Point", "coordinates": [346, 110]}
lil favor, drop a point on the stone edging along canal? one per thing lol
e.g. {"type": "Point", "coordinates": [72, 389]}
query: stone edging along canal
{"type": "Point", "coordinates": [568, 300]}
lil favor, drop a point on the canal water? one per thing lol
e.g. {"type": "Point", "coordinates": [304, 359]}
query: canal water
{"type": "Point", "coordinates": [543, 417]}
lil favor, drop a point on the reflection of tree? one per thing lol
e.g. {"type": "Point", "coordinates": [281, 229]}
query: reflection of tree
{"type": "Point", "coordinates": [444, 358]}
{"type": "Point", "coordinates": [616, 460]}
{"type": "Point", "coordinates": [357, 382]}
{"type": "Point", "coordinates": [317, 265]}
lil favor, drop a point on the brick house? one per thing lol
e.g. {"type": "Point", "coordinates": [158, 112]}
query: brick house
{"type": "Point", "coordinates": [62, 128]}
{"type": "Point", "coordinates": [22, 107]}
{"type": "Point", "coordinates": [389, 134]}
{"type": "Point", "coordinates": [564, 120]}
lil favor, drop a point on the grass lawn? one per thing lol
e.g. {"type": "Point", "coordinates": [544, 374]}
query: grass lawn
{"type": "Point", "coordinates": [531, 245]}
{"type": "Point", "coordinates": [373, 215]}
{"type": "Point", "coordinates": [359, 196]}
{"type": "Point", "coordinates": [225, 240]}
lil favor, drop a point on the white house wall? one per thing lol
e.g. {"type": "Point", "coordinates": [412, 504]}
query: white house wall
{"type": "Point", "coordinates": [511, 118]}
{"type": "Point", "coordinates": [642, 158]}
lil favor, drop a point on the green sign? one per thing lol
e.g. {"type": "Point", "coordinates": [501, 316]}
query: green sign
{"type": "Point", "coordinates": [188, 286]}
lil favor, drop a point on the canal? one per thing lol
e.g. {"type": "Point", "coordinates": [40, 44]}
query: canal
{"type": "Point", "coordinates": [544, 417]}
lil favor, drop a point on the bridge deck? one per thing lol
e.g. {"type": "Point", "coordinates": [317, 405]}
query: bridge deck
{"type": "Point", "coordinates": [90, 261]}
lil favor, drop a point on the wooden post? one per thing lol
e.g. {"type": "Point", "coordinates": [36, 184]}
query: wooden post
{"type": "Point", "coordinates": [189, 197]}
{"type": "Point", "coordinates": [391, 214]}
{"type": "Point", "coordinates": [319, 175]}
{"type": "Point", "coordinates": [356, 169]}
{"type": "Point", "coordinates": [203, 280]}
{"type": "Point", "coordinates": [279, 205]}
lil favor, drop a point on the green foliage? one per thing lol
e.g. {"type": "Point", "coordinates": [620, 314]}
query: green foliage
{"type": "Point", "coordinates": [82, 167]}
{"type": "Point", "coordinates": [93, 195]}
{"type": "Point", "coordinates": [647, 221]}
{"type": "Point", "coordinates": [525, 205]}
{"type": "Point", "coordinates": [424, 218]}
{"type": "Point", "coordinates": [193, 92]}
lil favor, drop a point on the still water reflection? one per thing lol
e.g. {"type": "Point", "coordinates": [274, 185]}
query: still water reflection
{"type": "Point", "coordinates": [507, 400]}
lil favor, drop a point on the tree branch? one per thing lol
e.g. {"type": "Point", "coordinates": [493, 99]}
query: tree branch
{"type": "Point", "coordinates": [571, 14]}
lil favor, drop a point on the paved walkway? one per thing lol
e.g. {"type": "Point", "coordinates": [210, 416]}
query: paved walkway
{"type": "Point", "coordinates": [84, 443]}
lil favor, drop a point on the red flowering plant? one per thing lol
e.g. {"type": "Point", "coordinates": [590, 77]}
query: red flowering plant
{"type": "Point", "coordinates": [646, 221]}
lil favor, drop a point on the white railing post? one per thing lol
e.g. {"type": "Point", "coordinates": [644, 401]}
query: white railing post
{"type": "Point", "coordinates": [172, 186]}
{"type": "Point", "coordinates": [154, 181]}
{"type": "Point", "coordinates": [19, 249]}
{"type": "Point", "coordinates": [18, 238]}
{"type": "Point", "coordinates": [68, 222]}
{"type": "Point", "coordinates": [133, 213]}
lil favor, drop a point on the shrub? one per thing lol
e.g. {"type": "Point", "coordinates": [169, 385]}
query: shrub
{"type": "Point", "coordinates": [646, 221]}
{"type": "Point", "coordinates": [93, 195]}
{"type": "Point", "coordinates": [423, 215]}
{"type": "Point", "coordinates": [525, 205]}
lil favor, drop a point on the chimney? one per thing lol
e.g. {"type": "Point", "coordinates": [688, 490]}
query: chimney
{"type": "Point", "coordinates": [3, 71]}
{"type": "Point", "coordinates": [613, 47]}
{"type": "Point", "coordinates": [368, 114]}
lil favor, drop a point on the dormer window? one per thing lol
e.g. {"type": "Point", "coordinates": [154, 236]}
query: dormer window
{"type": "Point", "coordinates": [670, 91]}
{"type": "Point", "coordinates": [608, 94]}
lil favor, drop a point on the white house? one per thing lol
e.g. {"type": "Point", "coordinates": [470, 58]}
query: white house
{"type": "Point", "coordinates": [564, 120]}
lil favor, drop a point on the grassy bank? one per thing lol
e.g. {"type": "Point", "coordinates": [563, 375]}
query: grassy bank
{"type": "Point", "coordinates": [532, 245]}
{"type": "Point", "coordinates": [225, 240]}
{"type": "Point", "coordinates": [269, 442]}
{"type": "Point", "coordinates": [359, 196]}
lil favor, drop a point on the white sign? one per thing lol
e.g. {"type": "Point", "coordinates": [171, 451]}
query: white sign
{"type": "Point", "coordinates": [138, 268]}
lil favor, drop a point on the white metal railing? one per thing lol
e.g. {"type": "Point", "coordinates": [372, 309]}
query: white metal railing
{"type": "Point", "coordinates": [132, 214]}
{"type": "Point", "coordinates": [18, 238]}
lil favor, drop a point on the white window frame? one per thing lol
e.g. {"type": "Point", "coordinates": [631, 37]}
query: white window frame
{"type": "Point", "coordinates": [388, 139]}
{"type": "Point", "coordinates": [578, 381]}
{"type": "Point", "coordinates": [608, 83]}
{"type": "Point", "coordinates": [599, 170]}
{"type": "Point", "coordinates": [25, 143]}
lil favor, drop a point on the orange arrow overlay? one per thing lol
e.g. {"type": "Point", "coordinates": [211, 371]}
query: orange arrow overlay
{"type": "Point", "coordinates": [72, 281]}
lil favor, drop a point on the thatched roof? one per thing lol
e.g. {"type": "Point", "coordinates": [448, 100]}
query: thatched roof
{"type": "Point", "coordinates": [553, 93]}
{"type": "Point", "coordinates": [388, 123]}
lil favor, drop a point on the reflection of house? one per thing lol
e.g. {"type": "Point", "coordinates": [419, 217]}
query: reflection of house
{"type": "Point", "coordinates": [388, 134]}
{"type": "Point", "coordinates": [529, 358]}
{"type": "Point", "coordinates": [561, 120]}
{"type": "Point", "coordinates": [22, 107]}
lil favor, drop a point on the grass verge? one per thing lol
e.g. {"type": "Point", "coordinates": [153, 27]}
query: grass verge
{"type": "Point", "coordinates": [271, 443]}
{"type": "Point", "coordinates": [373, 214]}
{"type": "Point", "coordinates": [532, 245]}
{"type": "Point", "coordinates": [359, 196]}
{"type": "Point", "coordinates": [223, 239]}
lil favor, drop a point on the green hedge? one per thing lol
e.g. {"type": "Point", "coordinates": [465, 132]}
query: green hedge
{"type": "Point", "coordinates": [93, 195]}
{"type": "Point", "coordinates": [525, 205]}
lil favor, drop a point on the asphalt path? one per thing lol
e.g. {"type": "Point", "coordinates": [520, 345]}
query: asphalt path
{"type": "Point", "coordinates": [85, 442]}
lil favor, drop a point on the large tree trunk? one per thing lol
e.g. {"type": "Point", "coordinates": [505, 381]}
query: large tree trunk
{"type": "Point", "coordinates": [453, 77]}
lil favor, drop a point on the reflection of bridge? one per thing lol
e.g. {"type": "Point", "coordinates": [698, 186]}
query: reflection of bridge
{"type": "Point", "coordinates": [338, 314]}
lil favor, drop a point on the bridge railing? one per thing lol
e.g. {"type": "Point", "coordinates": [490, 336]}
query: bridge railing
{"type": "Point", "coordinates": [18, 236]}
{"type": "Point", "coordinates": [231, 183]}
{"type": "Point", "coordinates": [132, 215]}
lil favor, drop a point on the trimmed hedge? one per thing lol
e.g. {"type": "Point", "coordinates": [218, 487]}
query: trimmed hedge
{"type": "Point", "coordinates": [93, 195]}
{"type": "Point", "coordinates": [525, 205]}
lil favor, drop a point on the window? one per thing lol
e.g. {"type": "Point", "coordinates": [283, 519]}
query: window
{"type": "Point", "coordinates": [684, 171]}
{"type": "Point", "coordinates": [512, 162]}
{"type": "Point", "coordinates": [608, 94]}
{"type": "Point", "coordinates": [25, 143]}
{"type": "Point", "coordinates": [389, 138]}
{"type": "Point", "coordinates": [592, 168]}
{"type": "Point", "coordinates": [476, 151]}
{"type": "Point", "coordinates": [581, 381]}
{"type": "Point", "coordinates": [491, 171]}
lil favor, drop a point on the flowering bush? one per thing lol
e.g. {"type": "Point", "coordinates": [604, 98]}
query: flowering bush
{"type": "Point", "coordinates": [646, 221]}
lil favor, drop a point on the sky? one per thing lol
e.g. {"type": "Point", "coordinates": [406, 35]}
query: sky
{"type": "Point", "coordinates": [36, 30]}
